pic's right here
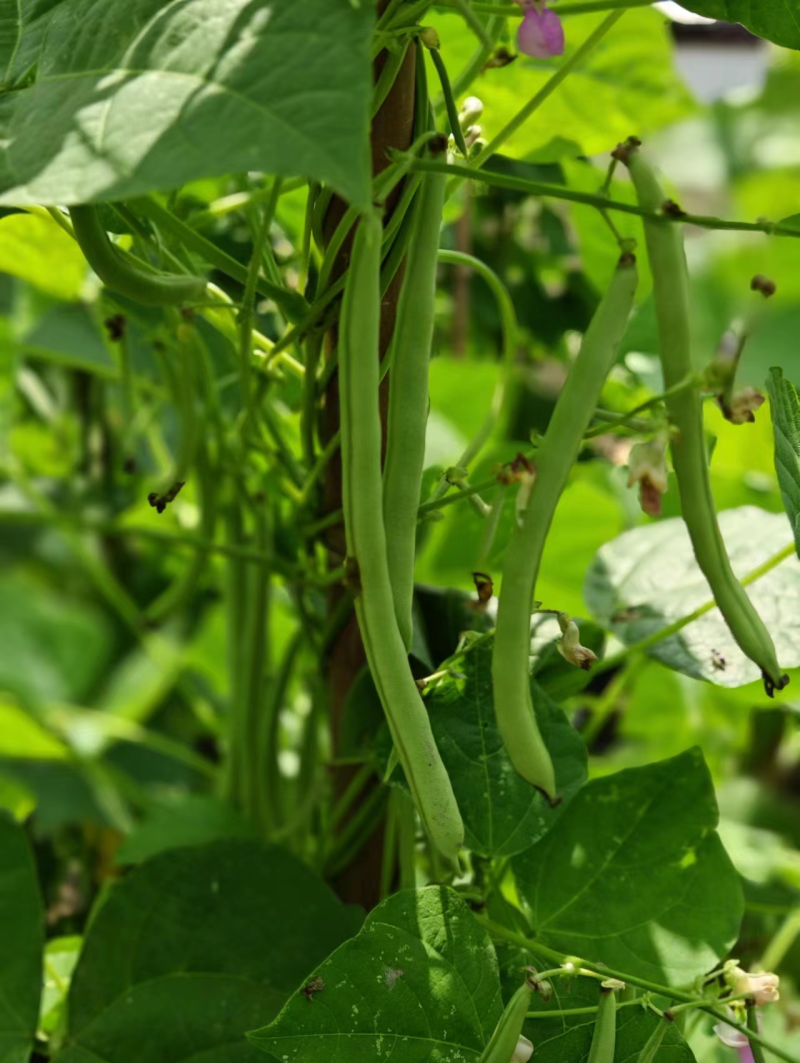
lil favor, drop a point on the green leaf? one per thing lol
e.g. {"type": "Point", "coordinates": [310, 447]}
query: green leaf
{"type": "Point", "coordinates": [37, 250]}
{"type": "Point", "coordinates": [53, 648]}
{"type": "Point", "coordinates": [420, 982]}
{"type": "Point", "coordinates": [135, 98]}
{"type": "Point", "coordinates": [194, 819]}
{"type": "Point", "coordinates": [68, 335]}
{"type": "Point", "coordinates": [22, 920]}
{"type": "Point", "coordinates": [503, 814]}
{"type": "Point", "coordinates": [15, 798]}
{"type": "Point", "coordinates": [60, 957]}
{"type": "Point", "coordinates": [635, 876]}
{"type": "Point", "coordinates": [648, 578]}
{"type": "Point", "coordinates": [23, 736]}
{"type": "Point", "coordinates": [195, 948]}
{"type": "Point", "coordinates": [785, 408]}
{"type": "Point", "coordinates": [630, 79]}
{"type": "Point", "coordinates": [777, 21]}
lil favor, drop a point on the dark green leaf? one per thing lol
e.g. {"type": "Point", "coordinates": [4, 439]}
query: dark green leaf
{"type": "Point", "coordinates": [648, 578]}
{"type": "Point", "coordinates": [777, 20]}
{"type": "Point", "coordinates": [192, 820]}
{"type": "Point", "coordinates": [69, 335]}
{"type": "Point", "coordinates": [141, 96]}
{"type": "Point", "coordinates": [22, 931]}
{"type": "Point", "coordinates": [785, 408]}
{"type": "Point", "coordinates": [420, 982]}
{"type": "Point", "coordinates": [635, 876]}
{"type": "Point", "coordinates": [195, 948]}
{"type": "Point", "coordinates": [503, 814]}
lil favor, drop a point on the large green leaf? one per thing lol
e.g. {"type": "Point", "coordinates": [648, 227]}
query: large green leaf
{"type": "Point", "coordinates": [635, 876]}
{"type": "Point", "coordinates": [785, 408]}
{"type": "Point", "coordinates": [195, 948]}
{"type": "Point", "coordinates": [192, 819]}
{"type": "Point", "coordinates": [134, 97]}
{"type": "Point", "coordinates": [648, 578]}
{"type": "Point", "coordinates": [503, 814]}
{"type": "Point", "coordinates": [629, 78]}
{"type": "Point", "coordinates": [420, 982]}
{"type": "Point", "coordinates": [22, 934]}
{"type": "Point", "coordinates": [777, 20]}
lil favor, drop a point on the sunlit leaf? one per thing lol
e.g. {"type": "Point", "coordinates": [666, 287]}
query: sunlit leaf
{"type": "Point", "coordinates": [635, 876]}
{"type": "Point", "coordinates": [134, 98]}
{"type": "Point", "coordinates": [648, 578]}
{"type": "Point", "coordinates": [419, 982]}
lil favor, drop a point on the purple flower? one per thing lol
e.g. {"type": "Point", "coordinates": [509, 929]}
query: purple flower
{"type": "Point", "coordinates": [541, 33]}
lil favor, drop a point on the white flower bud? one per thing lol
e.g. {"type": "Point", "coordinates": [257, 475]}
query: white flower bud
{"type": "Point", "coordinates": [523, 1051]}
{"type": "Point", "coordinates": [471, 110]}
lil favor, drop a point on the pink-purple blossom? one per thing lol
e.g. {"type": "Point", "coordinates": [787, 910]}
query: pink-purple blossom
{"type": "Point", "coordinates": [541, 34]}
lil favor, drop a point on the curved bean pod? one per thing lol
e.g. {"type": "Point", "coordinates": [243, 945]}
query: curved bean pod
{"type": "Point", "coordinates": [685, 408]}
{"type": "Point", "coordinates": [558, 452]}
{"type": "Point", "coordinates": [362, 491]}
{"type": "Point", "coordinates": [408, 399]}
{"type": "Point", "coordinates": [604, 1038]}
{"type": "Point", "coordinates": [507, 1032]}
{"type": "Point", "coordinates": [120, 275]}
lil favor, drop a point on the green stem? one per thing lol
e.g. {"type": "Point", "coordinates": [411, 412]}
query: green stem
{"type": "Point", "coordinates": [548, 191]}
{"type": "Point", "coordinates": [569, 1012]}
{"type": "Point", "coordinates": [476, 64]}
{"type": "Point", "coordinates": [755, 1045]}
{"type": "Point", "coordinates": [781, 943]}
{"type": "Point", "coordinates": [497, 930]}
{"type": "Point", "coordinates": [291, 303]}
{"type": "Point", "coordinates": [549, 88]}
{"type": "Point", "coordinates": [449, 102]}
{"type": "Point", "coordinates": [466, 9]}
{"type": "Point", "coordinates": [247, 313]}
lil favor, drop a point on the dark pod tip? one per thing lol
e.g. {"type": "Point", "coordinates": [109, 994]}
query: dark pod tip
{"type": "Point", "coordinates": [622, 152]}
{"type": "Point", "coordinates": [627, 259]}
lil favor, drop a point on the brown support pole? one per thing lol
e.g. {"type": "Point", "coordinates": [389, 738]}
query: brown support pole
{"type": "Point", "coordinates": [392, 127]}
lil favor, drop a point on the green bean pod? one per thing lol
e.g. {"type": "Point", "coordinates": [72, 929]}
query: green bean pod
{"type": "Point", "coordinates": [654, 1042]}
{"type": "Point", "coordinates": [604, 1038]}
{"type": "Point", "coordinates": [408, 399]}
{"type": "Point", "coordinates": [558, 452]}
{"type": "Point", "coordinates": [508, 1030]}
{"type": "Point", "coordinates": [362, 491]}
{"type": "Point", "coordinates": [685, 409]}
{"type": "Point", "coordinates": [119, 274]}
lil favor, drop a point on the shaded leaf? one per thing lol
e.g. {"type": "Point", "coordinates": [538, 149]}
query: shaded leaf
{"type": "Point", "coordinates": [195, 948]}
{"type": "Point", "coordinates": [68, 335]}
{"type": "Point", "coordinates": [635, 876]}
{"type": "Point", "coordinates": [420, 982]}
{"type": "Point", "coordinates": [194, 819]}
{"type": "Point", "coordinates": [648, 578]}
{"type": "Point", "coordinates": [503, 814]}
{"type": "Point", "coordinates": [22, 923]}
{"type": "Point", "coordinates": [134, 98]}
{"type": "Point", "coordinates": [785, 408]}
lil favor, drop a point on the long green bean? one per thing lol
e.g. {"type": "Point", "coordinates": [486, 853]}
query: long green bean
{"type": "Point", "coordinates": [684, 406]}
{"type": "Point", "coordinates": [559, 449]}
{"type": "Point", "coordinates": [362, 490]}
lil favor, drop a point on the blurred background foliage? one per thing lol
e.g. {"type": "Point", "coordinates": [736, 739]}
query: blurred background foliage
{"type": "Point", "coordinates": [117, 643]}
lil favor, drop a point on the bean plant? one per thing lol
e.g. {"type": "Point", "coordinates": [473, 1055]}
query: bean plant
{"type": "Point", "coordinates": [398, 639]}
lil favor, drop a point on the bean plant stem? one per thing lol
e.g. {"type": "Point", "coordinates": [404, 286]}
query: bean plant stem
{"type": "Point", "coordinates": [600, 202]}
{"type": "Point", "coordinates": [497, 930]}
